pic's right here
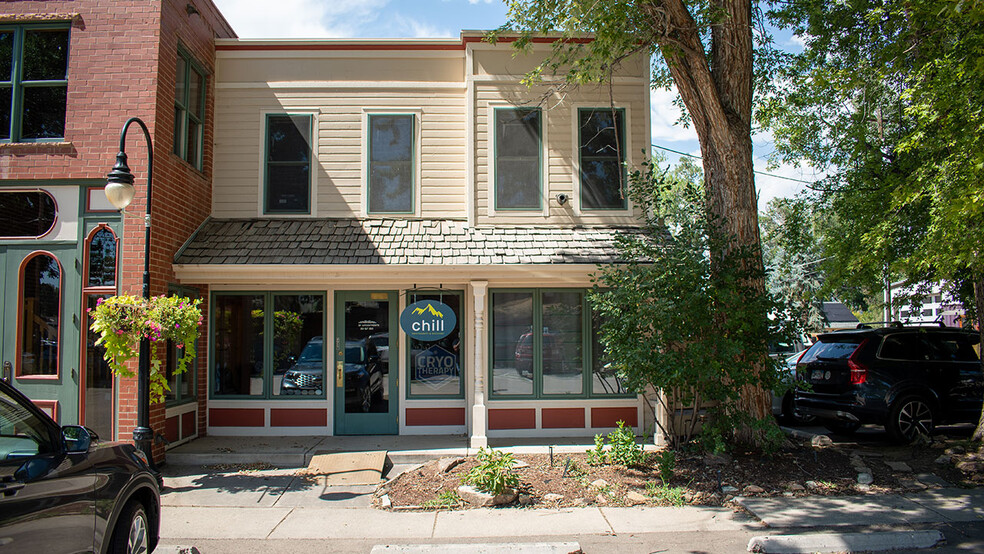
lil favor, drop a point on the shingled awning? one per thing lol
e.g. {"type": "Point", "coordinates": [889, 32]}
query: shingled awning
{"type": "Point", "coordinates": [393, 242]}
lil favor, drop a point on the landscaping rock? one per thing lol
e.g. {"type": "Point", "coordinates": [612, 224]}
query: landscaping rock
{"type": "Point", "coordinates": [753, 489]}
{"type": "Point", "coordinates": [717, 460]}
{"type": "Point", "coordinates": [599, 483]}
{"type": "Point", "coordinates": [970, 466]}
{"type": "Point", "coordinates": [813, 485]}
{"type": "Point", "coordinates": [728, 489]}
{"type": "Point", "coordinates": [943, 460]}
{"type": "Point", "coordinates": [553, 497]}
{"type": "Point", "coordinates": [475, 497]}
{"type": "Point", "coordinates": [898, 466]}
{"type": "Point", "coordinates": [796, 487]}
{"type": "Point", "coordinates": [445, 465]}
{"type": "Point", "coordinates": [634, 498]}
{"type": "Point", "coordinates": [525, 500]}
{"type": "Point", "coordinates": [601, 499]}
{"type": "Point", "coordinates": [821, 441]}
{"type": "Point", "coordinates": [519, 464]}
{"type": "Point", "coordinates": [385, 502]}
{"type": "Point", "coordinates": [865, 478]}
{"type": "Point", "coordinates": [955, 450]}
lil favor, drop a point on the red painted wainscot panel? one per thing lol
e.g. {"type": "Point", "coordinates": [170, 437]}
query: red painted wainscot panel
{"type": "Point", "coordinates": [235, 417]}
{"type": "Point", "coordinates": [512, 419]}
{"type": "Point", "coordinates": [189, 426]}
{"type": "Point", "coordinates": [562, 418]}
{"type": "Point", "coordinates": [286, 417]}
{"type": "Point", "coordinates": [435, 416]}
{"type": "Point", "coordinates": [609, 417]}
{"type": "Point", "coordinates": [171, 429]}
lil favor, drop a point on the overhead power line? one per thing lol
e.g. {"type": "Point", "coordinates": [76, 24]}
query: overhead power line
{"type": "Point", "coordinates": [754, 170]}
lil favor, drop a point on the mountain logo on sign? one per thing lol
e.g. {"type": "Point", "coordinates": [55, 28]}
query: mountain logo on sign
{"type": "Point", "coordinates": [428, 309]}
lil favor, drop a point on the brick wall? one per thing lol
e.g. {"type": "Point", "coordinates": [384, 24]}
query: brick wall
{"type": "Point", "coordinates": [122, 60]}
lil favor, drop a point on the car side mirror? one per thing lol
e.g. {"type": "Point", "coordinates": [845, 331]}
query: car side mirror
{"type": "Point", "coordinates": [77, 439]}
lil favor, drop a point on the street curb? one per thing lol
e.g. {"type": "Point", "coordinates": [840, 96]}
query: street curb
{"type": "Point", "coordinates": [480, 548]}
{"type": "Point", "coordinates": [845, 542]}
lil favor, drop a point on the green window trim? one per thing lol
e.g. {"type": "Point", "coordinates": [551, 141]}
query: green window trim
{"type": "Point", "coordinates": [268, 347]}
{"type": "Point", "coordinates": [191, 374]}
{"type": "Point", "coordinates": [412, 162]}
{"type": "Point", "coordinates": [587, 356]}
{"type": "Point", "coordinates": [184, 116]}
{"type": "Point", "coordinates": [582, 159]}
{"type": "Point", "coordinates": [15, 84]}
{"type": "Point", "coordinates": [461, 362]}
{"type": "Point", "coordinates": [268, 164]}
{"type": "Point", "coordinates": [496, 147]}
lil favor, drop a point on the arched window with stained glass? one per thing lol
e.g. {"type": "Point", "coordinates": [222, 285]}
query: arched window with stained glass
{"type": "Point", "coordinates": [102, 259]}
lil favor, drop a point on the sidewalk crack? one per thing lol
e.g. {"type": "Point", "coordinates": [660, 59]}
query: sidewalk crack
{"type": "Point", "coordinates": [290, 511]}
{"type": "Point", "coordinates": [611, 528]}
{"type": "Point", "coordinates": [434, 526]}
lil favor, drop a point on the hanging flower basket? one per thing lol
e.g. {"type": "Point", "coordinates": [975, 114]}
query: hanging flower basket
{"type": "Point", "coordinates": [122, 321]}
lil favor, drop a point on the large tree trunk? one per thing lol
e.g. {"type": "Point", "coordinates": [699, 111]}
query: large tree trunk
{"type": "Point", "coordinates": [979, 310]}
{"type": "Point", "coordinates": [718, 96]}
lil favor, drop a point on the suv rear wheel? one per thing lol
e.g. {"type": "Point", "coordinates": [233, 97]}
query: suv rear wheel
{"type": "Point", "coordinates": [910, 417]}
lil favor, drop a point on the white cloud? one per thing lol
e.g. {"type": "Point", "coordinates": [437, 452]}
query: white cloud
{"type": "Point", "coordinates": [663, 119]}
{"type": "Point", "coordinates": [420, 29]}
{"type": "Point", "coordinates": [300, 18]}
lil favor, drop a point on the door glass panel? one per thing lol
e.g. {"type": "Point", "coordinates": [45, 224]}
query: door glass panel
{"type": "Point", "coordinates": [298, 345]}
{"type": "Point", "coordinates": [435, 366]}
{"type": "Point", "coordinates": [512, 343]}
{"type": "Point", "coordinates": [98, 381]}
{"type": "Point", "coordinates": [238, 345]}
{"type": "Point", "coordinates": [39, 324]}
{"type": "Point", "coordinates": [366, 357]}
{"type": "Point", "coordinates": [102, 259]}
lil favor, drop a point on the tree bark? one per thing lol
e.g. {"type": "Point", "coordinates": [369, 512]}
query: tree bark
{"type": "Point", "coordinates": [718, 95]}
{"type": "Point", "coordinates": [979, 310]}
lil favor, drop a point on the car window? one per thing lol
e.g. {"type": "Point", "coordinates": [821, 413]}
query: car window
{"type": "Point", "coordinates": [904, 346]}
{"type": "Point", "coordinates": [22, 434]}
{"type": "Point", "coordinates": [312, 351]}
{"type": "Point", "coordinates": [952, 348]}
{"type": "Point", "coordinates": [355, 355]}
{"type": "Point", "coordinates": [831, 350]}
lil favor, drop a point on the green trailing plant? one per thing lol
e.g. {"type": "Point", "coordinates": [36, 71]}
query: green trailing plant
{"type": "Point", "coordinates": [123, 321]}
{"type": "Point", "coordinates": [446, 499]}
{"type": "Point", "coordinates": [596, 455]}
{"type": "Point", "coordinates": [665, 465]}
{"type": "Point", "coordinates": [494, 472]}
{"type": "Point", "coordinates": [625, 451]}
{"type": "Point", "coordinates": [665, 494]}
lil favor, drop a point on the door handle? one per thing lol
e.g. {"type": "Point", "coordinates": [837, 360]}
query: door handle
{"type": "Point", "coordinates": [339, 374]}
{"type": "Point", "coordinates": [7, 370]}
{"type": "Point", "coordinates": [10, 489]}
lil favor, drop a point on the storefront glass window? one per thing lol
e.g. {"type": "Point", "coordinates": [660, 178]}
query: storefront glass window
{"type": "Point", "coordinates": [562, 343]}
{"type": "Point", "coordinates": [238, 345]}
{"type": "Point", "coordinates": [512, 343]}
{"type": "Point", "coordinates": [603, 378]}
{"type": "Point", "coordinates": [435, 366]}
{"type": "Point", "coordinates": [298, 344]}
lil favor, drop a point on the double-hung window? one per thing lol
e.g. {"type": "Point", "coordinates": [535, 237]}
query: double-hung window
{"type": "Point", "coordinates": [544, 344]}
{"type": "Point", "coordinates": [288, 164]}
{"type": "Point", "coordinates": [33, 82]}
{"type": "Point", "coordinates": [391, 168]}
{"type": "Point", "coordinates": [601, 152]}
{"type": "Point", "coordinates": [517, 159]}
{"type": "Point", "coordinates": [189, 109]}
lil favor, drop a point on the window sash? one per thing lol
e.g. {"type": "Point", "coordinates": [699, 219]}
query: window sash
{"type": "Point", "coordinates": [403, 167]}
{"type": "Point", "coordinates": [17, 84]}
{"type": "Point", "coordinates": [529, 186]}
{"type": "Point", "coordinates": [592, 197]}
{"type": "Point", "coordinates": [185, 118]}
{"type": "Point", "coordinates": [303, 161]}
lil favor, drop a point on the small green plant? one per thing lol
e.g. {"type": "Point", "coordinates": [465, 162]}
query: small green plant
{"type": "Point", "coordinates": [665, 465]}
{"type": "Point", "coordinates": [665, 494]}
{"type": "Point", "coordinates": [494, 472]}
{"type": "Point", "coordinates": [596, 455]}
{"type": "Point", "coordinates": [571, 469]}
{"type": "Point", "coordinates": [625, 451]}
{"type": "Point", "coordinates": [447, 499]}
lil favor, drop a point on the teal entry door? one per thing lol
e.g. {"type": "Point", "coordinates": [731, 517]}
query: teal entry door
{"type": "Point", "coordinates": [40, 325]}
{"type": "Point", "coordinates": [366, 363]}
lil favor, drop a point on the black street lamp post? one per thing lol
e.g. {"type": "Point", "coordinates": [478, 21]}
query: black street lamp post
{"type": "Point", "coordinates": [120, 192]}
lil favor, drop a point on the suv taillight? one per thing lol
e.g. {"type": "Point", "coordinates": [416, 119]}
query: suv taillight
{"type": "Point", "coordinates": [859, 371]}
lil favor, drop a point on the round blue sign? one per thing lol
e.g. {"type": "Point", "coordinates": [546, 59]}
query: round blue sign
{"type": "Point", "coordinates": [428, 320]}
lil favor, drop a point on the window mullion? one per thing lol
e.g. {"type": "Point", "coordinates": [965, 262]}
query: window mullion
{"type": "Point", "coordinates": [537, 344]}
{"type": "Point", "coordinates": [17, 93]}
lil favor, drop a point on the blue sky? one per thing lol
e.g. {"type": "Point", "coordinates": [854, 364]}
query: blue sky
{"type": "Point", "coordinates": [446, 18]}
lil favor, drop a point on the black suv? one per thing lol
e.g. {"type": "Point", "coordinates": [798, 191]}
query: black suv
{"type": "Point", "coordinates": [908, 379]}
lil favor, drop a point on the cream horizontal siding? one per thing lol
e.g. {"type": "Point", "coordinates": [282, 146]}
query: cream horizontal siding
{"type": "Point", "coordinates": [339, 170]}
{"type": "Point", "coordinates": [560, 155]}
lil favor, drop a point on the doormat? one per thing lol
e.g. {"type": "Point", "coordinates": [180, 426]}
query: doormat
{"type": "Point", "coordinates": [348, 468]}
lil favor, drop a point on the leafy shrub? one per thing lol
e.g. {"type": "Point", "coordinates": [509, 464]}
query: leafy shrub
{"type": "Point", "coordinates": [596, 455]}
{"type": "Point", "coordinates": [625, 451]}
{"type": "Point", "coordinates": [494, 472]}
{"type": "Point", "coordinates": [665, 465]}
{"type": "Point", "coordinates": [665, 494]}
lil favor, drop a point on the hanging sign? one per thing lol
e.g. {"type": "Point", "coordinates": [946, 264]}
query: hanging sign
{"type": "Point", "coordinates": [428, 320]}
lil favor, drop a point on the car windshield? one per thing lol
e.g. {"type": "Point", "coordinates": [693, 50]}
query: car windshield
{"type": "Point", "coordinates": [355, 354]}
{"type": "Point", "coordinates": [22, 434]}
{"type": "Point", "coordinates": [312, 351]}
{"type": "Point", "coordinates": [824, 350]}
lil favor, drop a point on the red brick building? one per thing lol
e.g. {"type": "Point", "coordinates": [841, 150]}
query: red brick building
{"type": "Point", "coordinates": [71, 73]}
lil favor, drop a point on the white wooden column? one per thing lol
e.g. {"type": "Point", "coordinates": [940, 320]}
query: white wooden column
{"type": "Point", "coordinates": [479, 435]}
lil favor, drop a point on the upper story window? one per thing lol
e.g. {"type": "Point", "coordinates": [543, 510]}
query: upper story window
{"type": "Point", "coordinates": [288, 164]}
{"type": "Point", "coordinates": [33, 82]}
{"type": "Point", "coordinates": [189, 109]}
{"type": "Point", "coordinates": [26, 214]}
{"type": "Point", "coordinates": [601, 150]}
{"type": "Point", "coordinates": [517, 159]}
{"type": "Point", "coordinates": [391, 167]}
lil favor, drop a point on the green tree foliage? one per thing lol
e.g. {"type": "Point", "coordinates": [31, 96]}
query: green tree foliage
{"type": "Point", "coordinates": [887, 98]}
{"type": "Point", "coordinates": [659, 312]}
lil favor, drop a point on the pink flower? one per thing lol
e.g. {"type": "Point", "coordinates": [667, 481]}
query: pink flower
{"type": "Point", "coordinates": [176, 326]}
{"type": "Point", "coordinates": [119, 331]}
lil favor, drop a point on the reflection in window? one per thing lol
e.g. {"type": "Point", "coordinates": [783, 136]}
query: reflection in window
{"type": "Point", "coordinates": [189, 109]}
{"type": "Point", "coordinates": [298, 345]}
{"type": "Point", "coordinates": [604, 380]}
{"type": "Point", "coordinates": [39, 324]}
{"type": "Point", "coordinates": [517, 159]}
{"type": "Point", "coordinates": [562, 342]}
{"type": "Point", "coordinates": [33, 82]}
{"type": "Point", "coordinates": [288, 164]}
{"type": "Point", "coordinates": [435, 366]}
{"type": "Point", "coordinates": [238, 345]}
{"type": "Point", "coordinates": [182, 386]}
{"type": "Point", "coordinates": [390, 163]}
{"type": "Point", "coordinates": [98, 380]}
{"type": "Point", "coordinates": [512, 343]}
{"type": "Point", "coordinates": [26, 214]}
{"type": "Point", "coordinates": [102, 259]}
{"type": "Point", "coordinates": [602, 144]}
